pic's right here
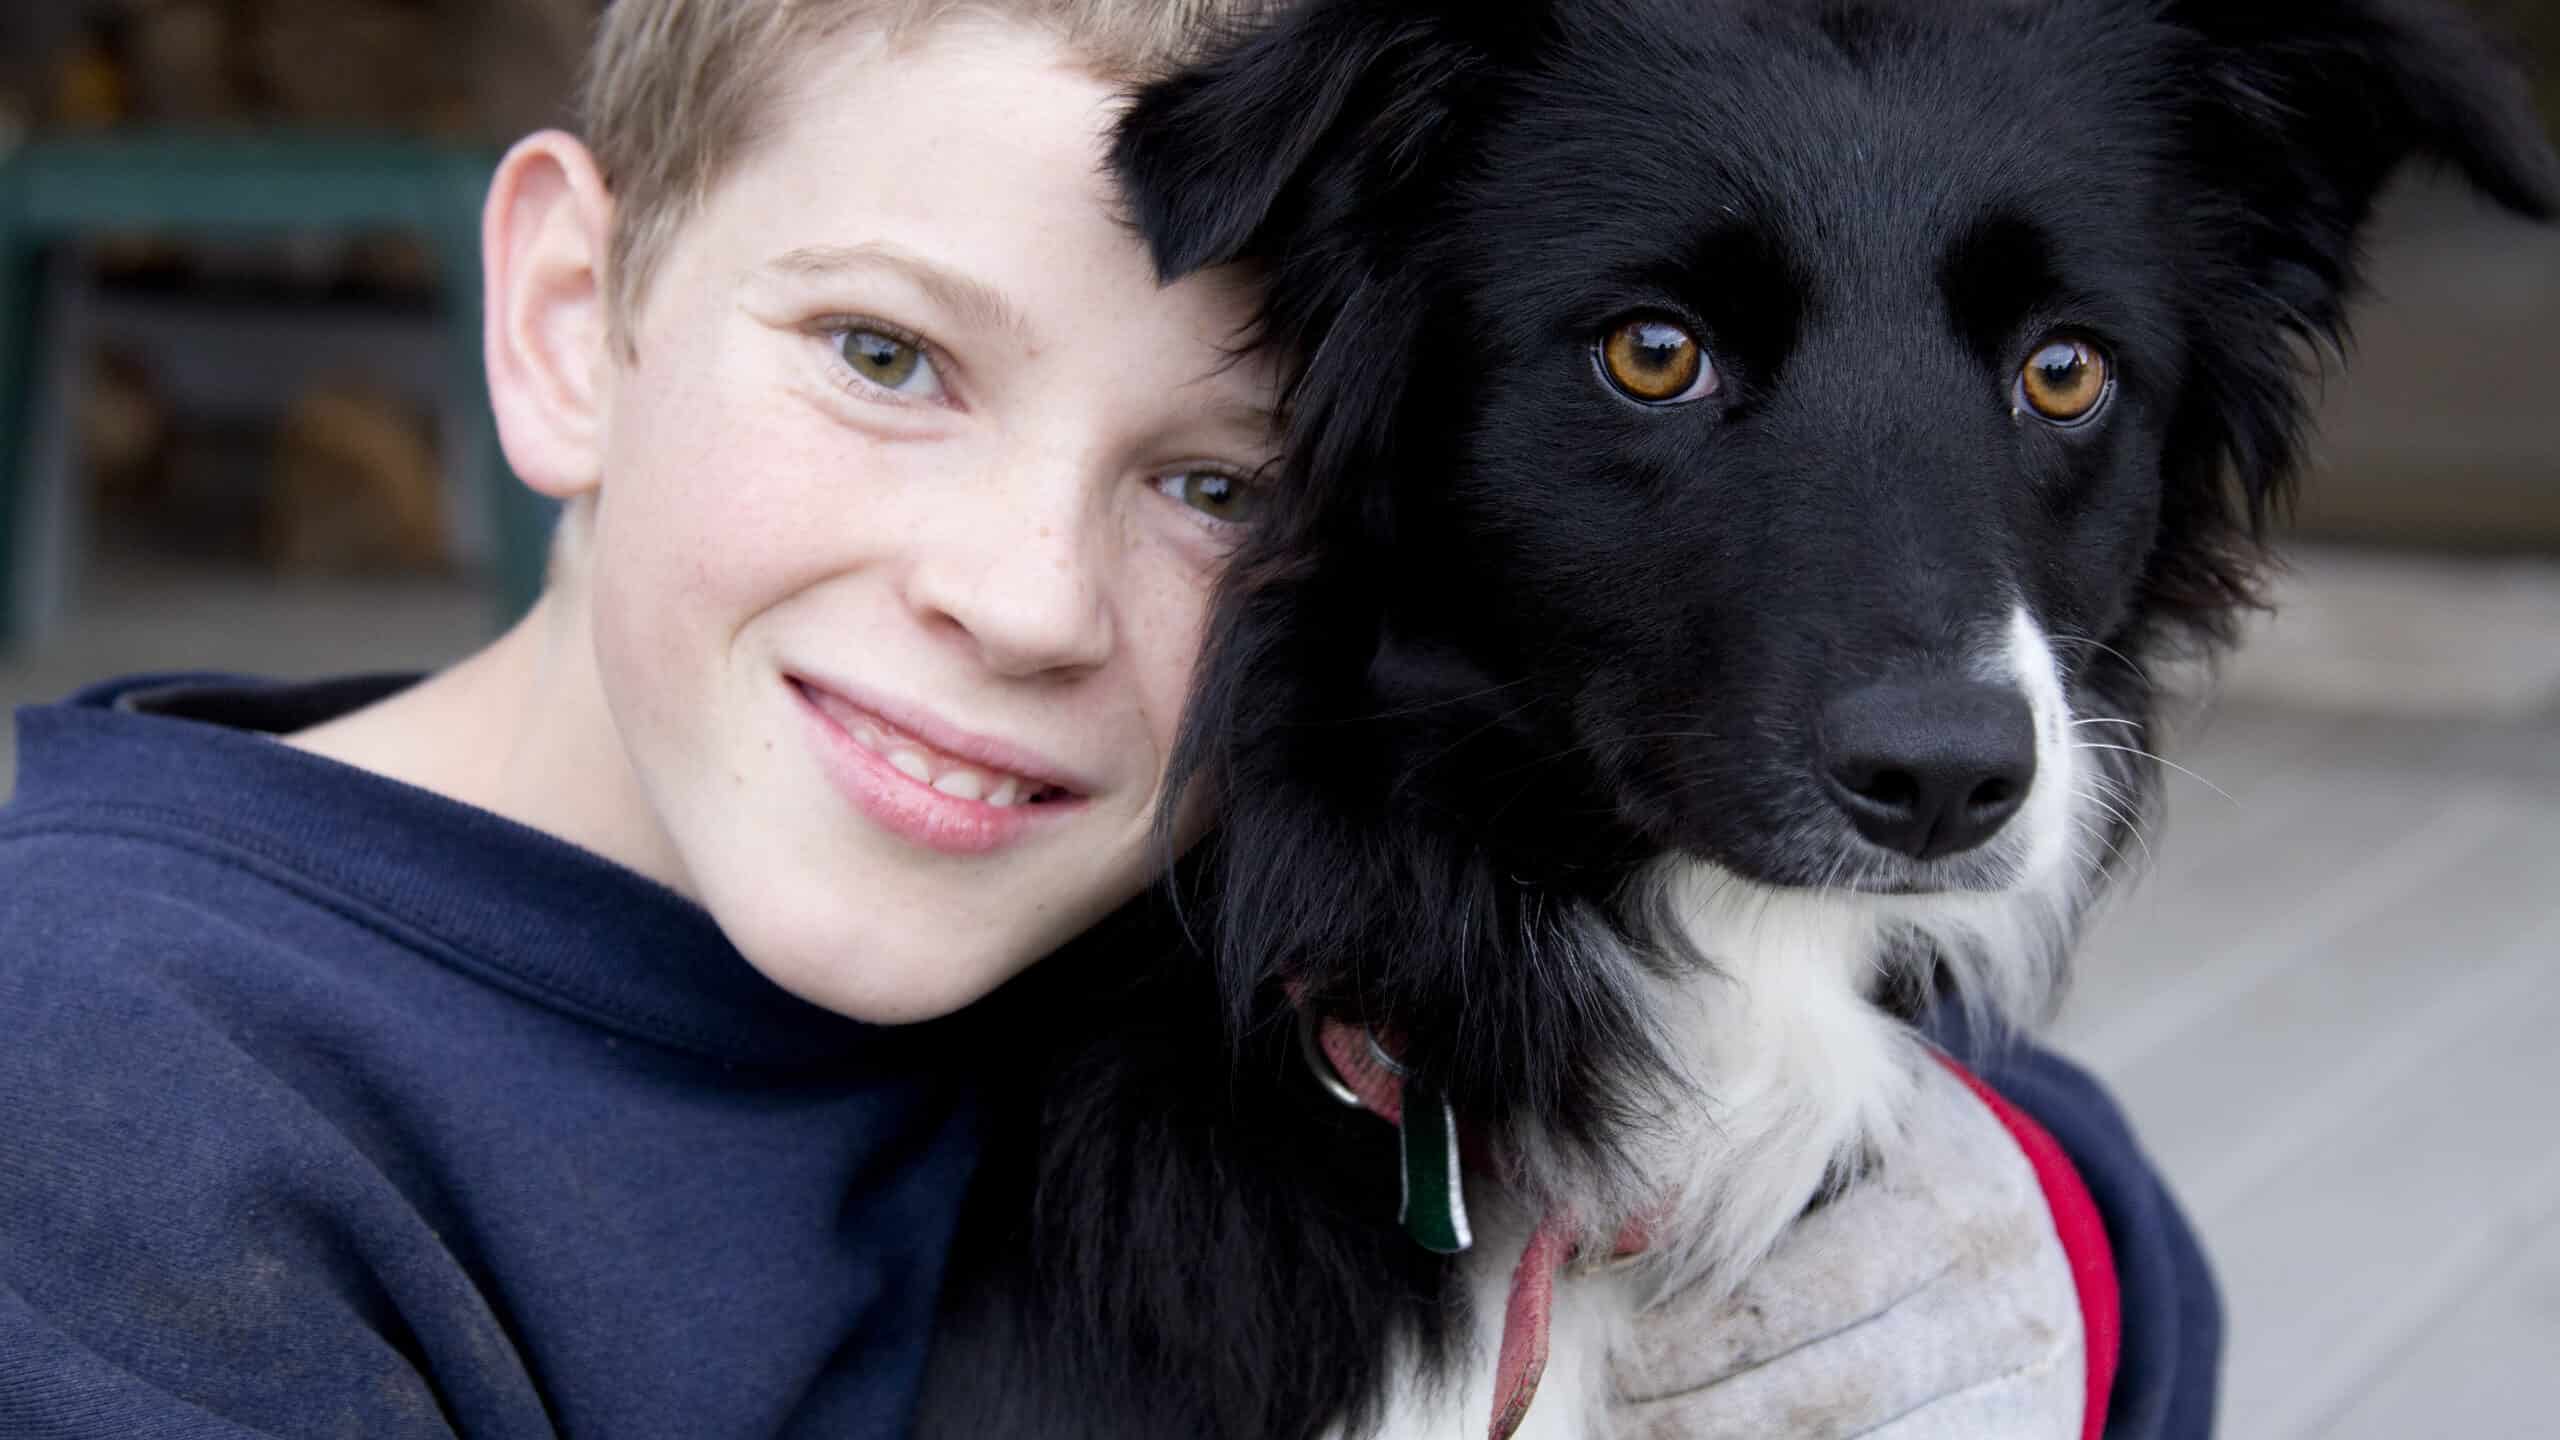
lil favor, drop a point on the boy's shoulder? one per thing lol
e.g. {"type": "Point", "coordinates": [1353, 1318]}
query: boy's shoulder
{"type": "Point", "coordinates": [187, 761]}
{"type": "Point", "coordinates": [161, 838]}
{"type": "Point", "coordinates": [190, 1230]}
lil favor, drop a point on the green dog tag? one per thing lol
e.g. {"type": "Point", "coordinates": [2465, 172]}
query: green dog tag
{"type": "Point", "coordinates": [1435, 1199]}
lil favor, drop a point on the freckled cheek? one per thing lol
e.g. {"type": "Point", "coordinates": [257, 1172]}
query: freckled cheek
{"type": "Point", "coordinates": [1166, 628]}
{"type": "Point", "coordinates": [740, 502]}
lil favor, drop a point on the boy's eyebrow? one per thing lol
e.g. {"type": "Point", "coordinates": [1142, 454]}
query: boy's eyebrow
{"type": "Point", "coordinates": [1245, 418]}
{"type": "Point", "coordinates": [974, 301]}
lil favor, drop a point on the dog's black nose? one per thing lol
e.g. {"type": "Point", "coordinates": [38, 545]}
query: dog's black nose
{"type": "Point", "coordinates": [1929, 769]}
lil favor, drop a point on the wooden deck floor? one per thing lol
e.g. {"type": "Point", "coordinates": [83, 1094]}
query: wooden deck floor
{"type": "Point", "coordinates": [2333, 1007]}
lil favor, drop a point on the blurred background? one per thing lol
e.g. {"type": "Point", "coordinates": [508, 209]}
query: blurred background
{"type": "Point", "coordinates": [242, 428]}
{"type": "Point", "coordinates": [240, 393]}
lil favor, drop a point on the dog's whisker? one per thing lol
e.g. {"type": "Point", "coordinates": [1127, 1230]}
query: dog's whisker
{"type": "Point", "coordinates": [2109, 796]}
{"type": "Point", "coordinates": [2159, 760]}
{"type": "Point", "coordinates": [2128, 796]}
{"type": "Point", "coordinates": [2124, 818]}
{"type": "Point", "coordinates": [2087, 857]}
{"type": "Point", "coordinates": [2117, 850]}
{"type": "Point", "coordinates": [2060, 638]}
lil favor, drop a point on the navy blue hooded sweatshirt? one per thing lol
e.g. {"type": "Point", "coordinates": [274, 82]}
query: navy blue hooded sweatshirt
{"type": "Point", "coordinates": [329, 1107]}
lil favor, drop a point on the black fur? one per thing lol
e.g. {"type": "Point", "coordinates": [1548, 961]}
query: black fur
{"type": "Point", "coordinates": [1506, 640]}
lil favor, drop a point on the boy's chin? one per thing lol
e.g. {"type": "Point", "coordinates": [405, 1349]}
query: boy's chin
{"type": "Point", "coordinates": [883, 986]}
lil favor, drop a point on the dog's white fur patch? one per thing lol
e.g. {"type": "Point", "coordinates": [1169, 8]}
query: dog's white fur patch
{"type": "Point", "coordinates": [1792, 1071]}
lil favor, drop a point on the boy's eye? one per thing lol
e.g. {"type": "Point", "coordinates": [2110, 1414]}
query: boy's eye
{"type": "Point", "coordinates": [891, 362]}
{"type": "Point", "coordinates": [1228, 499]}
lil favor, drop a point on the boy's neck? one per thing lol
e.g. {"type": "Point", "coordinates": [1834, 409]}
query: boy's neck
{"type": "Point", "coordinates": [519, 728]}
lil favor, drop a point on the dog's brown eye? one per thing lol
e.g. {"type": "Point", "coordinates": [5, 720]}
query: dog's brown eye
{"type": "Point", "coordinates": [2066, 382]}
{"type": "Point", "coordinates": [1655, 362]}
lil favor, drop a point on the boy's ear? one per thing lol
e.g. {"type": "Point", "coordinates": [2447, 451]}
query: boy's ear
{"type": "Point", "coordinates": [544, 237]}
{"type": "Point", "coordinates": [1310, 124]}
{"type": "Point", "coordinates": [2305, 110]}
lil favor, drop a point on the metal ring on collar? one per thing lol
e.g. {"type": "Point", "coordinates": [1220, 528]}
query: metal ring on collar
{"type": "Point", "coordinates": [1329, 1080]}
{"type": "Point", "coordinates": [1378, 1052]}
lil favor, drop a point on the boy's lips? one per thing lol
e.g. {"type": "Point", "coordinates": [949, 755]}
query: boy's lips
{"type": "Point", "coordinates": [929, 782]}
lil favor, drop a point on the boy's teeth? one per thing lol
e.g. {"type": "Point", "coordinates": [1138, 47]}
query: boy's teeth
{"type": "Point", "coordinates": [955, 780]}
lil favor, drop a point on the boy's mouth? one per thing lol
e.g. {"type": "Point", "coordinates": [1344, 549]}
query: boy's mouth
{"type": "Point", "coordinates": [943, 773]}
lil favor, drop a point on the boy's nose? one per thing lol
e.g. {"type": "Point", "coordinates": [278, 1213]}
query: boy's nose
{"type": "Point", "coordinates": [1023, 589]}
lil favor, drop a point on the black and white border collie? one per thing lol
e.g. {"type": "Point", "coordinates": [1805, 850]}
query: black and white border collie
{"type": "Point", "coordinates": [1749, 461]}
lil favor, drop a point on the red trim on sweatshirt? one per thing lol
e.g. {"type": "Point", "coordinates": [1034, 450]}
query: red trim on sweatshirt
{"type": "Point", "coordinates": [2084, 1241]}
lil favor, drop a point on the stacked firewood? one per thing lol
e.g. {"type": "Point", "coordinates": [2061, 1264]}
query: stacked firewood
{"type": "Point", "coordinates": [485, 70]}
{"type": "Point", "coordinates": [349, 479]}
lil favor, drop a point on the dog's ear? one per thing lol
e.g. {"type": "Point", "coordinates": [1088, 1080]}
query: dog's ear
{"type": "Point", "coordinates": [2293, 116]}
{"type": "Point", "coordinates": [1310, 121]}
{"type": "Point", "coordinates": [2307, 107]}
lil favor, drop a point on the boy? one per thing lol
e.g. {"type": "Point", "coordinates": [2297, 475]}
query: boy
{"type": "Point", "coordinates": [493, 1054]}
{"type": "Point", "coordinates": [497, 1054]}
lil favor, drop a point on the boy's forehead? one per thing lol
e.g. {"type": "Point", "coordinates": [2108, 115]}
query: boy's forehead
{"type": "Point", "coordinates": [831, 77]}
{"type": "Point", "coordinates": [864, 158]}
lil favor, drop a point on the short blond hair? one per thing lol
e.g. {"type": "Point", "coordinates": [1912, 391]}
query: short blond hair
{"type": "Point", "coordinates": [675, 91]}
